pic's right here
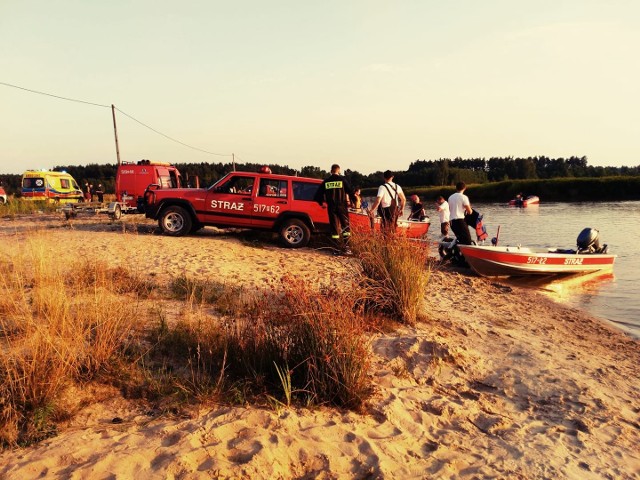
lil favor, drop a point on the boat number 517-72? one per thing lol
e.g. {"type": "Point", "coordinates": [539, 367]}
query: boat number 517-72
{"type": "Point", "coordinates": [537, 260]}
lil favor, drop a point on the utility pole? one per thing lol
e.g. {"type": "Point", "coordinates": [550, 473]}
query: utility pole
{"type": "Point", "coordinates": [233, 161]}
{"type": "Point", "coordinates": [115, 132]}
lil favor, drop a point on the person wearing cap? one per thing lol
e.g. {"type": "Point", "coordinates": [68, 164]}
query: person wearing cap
{"type": "Point", "coordinates": [442, 206]}
{"type": "Point", "coordinates": [389, 203]}
{"type": "Point", "coordinates": [336, 191]}
{"type": "Point", "coordinates": [417, 210]}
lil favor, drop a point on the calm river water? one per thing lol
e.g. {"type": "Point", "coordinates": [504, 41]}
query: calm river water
{"type": "Point", "coordinates": [614, 297]}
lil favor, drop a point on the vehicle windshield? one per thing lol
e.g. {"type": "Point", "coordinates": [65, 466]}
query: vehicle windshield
{"type": "Point", "coordinates": [240, 184]}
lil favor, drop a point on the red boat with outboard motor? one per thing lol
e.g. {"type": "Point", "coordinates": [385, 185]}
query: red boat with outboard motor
{"type": "Point", "coordinates": [494, 261]}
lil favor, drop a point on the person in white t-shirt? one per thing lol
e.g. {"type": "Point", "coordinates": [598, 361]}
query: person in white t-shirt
{"type": "Point", "coordinates": [442, 206]}
{"type": "Point", "coordinates": [387, 194]}
{"type": "Point", "coordinates": [459, 206]}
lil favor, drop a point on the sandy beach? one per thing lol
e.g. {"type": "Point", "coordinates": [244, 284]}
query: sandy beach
{"type": "Point", "coordinates": [499, 382]}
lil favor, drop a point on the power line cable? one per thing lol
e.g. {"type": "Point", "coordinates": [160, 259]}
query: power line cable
{"type": "Point", "coordinates": [124, 113]}
{"type": "Point", "coordinates": [54, 96]}
{"type": "Point", "coordinates": [172, 139]}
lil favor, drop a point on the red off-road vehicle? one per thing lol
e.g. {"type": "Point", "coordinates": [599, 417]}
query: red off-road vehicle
{"type": "Point", "coordinates": [256, 200]}
{"type": "Point", "coordinates": [3, 195]}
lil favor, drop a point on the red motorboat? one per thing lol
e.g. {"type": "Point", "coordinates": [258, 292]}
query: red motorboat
{"type": "Point", "coordinates": [493, 261]}
{"type": "Point", "coordinates": [363, 222]}
{"type": "Point", "coordinates": [524, 202]}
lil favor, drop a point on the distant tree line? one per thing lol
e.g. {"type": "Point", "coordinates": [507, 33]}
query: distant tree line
{"type": "Point", "coordinates": [445, 172]}
{"type": "Point", "coordinates": [423, 173]}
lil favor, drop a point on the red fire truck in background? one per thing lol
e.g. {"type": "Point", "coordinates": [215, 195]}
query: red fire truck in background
{"type": "Point", "coordinates": [132, 179]}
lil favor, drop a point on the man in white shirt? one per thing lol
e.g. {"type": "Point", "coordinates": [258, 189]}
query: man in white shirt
{"type": "Point", "coordinates": [459, 206]}
{"type": "Point", "coordinates": [442, 206]}
{"type": "Point", "coordinates": [391, 200]}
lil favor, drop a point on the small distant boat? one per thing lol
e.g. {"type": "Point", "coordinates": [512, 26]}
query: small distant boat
{"type": "Point", "coordinates": [362, 222]}
{"type": "Point", "coordinates": [525, 202]}
{"type": "Point", "coordinates": [493, 261]}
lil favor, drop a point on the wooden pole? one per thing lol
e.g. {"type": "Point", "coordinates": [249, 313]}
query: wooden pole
{"type": "Point", "coordinates": [115, 132]}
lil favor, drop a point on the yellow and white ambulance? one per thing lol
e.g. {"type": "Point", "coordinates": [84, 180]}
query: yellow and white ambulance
{"type": "Point", "coordinates": [50, 186]}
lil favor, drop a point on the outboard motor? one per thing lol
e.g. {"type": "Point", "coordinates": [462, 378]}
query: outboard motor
{"type": "Point", "coordinates": [588, 242]}
{"type": "Point", "coordinates": [449, 251]}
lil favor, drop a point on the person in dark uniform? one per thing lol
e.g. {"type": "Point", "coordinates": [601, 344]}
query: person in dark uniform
{"type": "Point", "coordinates": [336, 191]}
{"type": "Point", "coordinates": [100, 193]}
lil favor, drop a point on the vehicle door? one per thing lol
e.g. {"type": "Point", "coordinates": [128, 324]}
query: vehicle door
{"type": "Point", "coordinates": [230, 201]}
{"type": "Point", "coordinates": [271, 200]}
{"type": "Point", "coordinates": [304, 192]}
{"type": "Point", "coordinates": [33, 187]}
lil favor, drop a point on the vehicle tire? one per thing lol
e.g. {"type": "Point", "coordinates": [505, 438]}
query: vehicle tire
{"type": "Point", "coordinates": [117, 212]}
{"type": "Point", "coordinates": [175, 221]}
{"type": "Point", "coordinates": [294, 233]}
{"type": "Point", "coordinates": [2, 200]}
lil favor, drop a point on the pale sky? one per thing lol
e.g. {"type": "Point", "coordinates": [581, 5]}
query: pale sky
{"type": "Point", "coordinates": [368, 84]}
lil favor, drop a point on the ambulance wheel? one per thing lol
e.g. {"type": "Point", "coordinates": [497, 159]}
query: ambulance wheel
{"type": "Point", "coordinates": [294, 233]}
{"type": "Point", "coordinates": [175, 221]}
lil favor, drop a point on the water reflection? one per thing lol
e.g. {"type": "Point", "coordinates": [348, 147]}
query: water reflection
{"type": "Point", "coordinates": [569, 288]}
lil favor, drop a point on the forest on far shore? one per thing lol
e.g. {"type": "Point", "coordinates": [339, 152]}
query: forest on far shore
{"type": "Point", "coordinates": [490, 178]}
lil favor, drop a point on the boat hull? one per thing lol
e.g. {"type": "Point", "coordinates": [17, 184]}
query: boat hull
{"type": "Point", "coordinates": [507, 261]}
{"type": "Point", "coordinates": [527, 202]}
{"type": "Point", "coordinates": [361, 222]}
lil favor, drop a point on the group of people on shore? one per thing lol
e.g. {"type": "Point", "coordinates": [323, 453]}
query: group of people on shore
{"type": "Point", "coordinates": [92, 193]}
{"type": "Point", "coordinates": [389, 204]}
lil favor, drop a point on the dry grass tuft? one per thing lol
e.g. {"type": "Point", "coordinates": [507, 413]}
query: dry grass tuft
{"type": "Point", "coordinates": [396, 274]}
{"type": "Point", "coordinates": [298, 345]}
{"type": "Point", "coordinates": [55, 330]}
{"type": "Point", "coordinates": [18, 206]}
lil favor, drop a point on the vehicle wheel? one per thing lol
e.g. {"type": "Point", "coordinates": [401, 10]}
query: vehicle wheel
{"type": "Point", "coordinates": [175, 221]}
{"type": "Point", "coordinates": [117, 213]}
{"type": "Point", "coordinates": [294, 233]}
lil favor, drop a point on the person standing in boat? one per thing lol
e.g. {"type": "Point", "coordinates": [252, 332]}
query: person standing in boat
{"type": "Point", "coordinates": [459, 206]}
{"type": "Point", "coordinates": [336, 191]}
{"type": "Point", "coordinates": [442, 206]}
{"type": "Point", "coordinates": [357, 199]}
{"type": "Point", "coordinates": [391, 201]}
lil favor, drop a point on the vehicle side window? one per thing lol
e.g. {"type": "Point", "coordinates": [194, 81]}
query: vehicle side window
{"type": "Point", "coordinates": [32, 182]}
{"type": "Point", "coordinates": [238, 185]}
{"type": "Point", "coordinates": [166, 181]}
{"type": "Point", "coordinates": [304, 190]}
{"type": "Point", "coordinates": [64, 183]}
{"type": "Point", "coordinates": [272, 188]}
